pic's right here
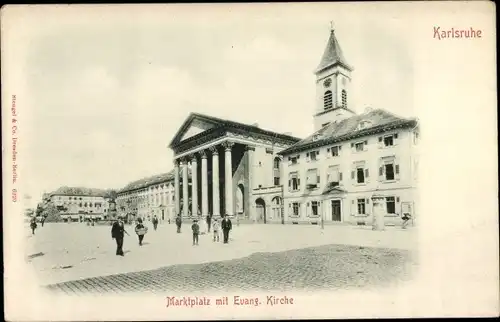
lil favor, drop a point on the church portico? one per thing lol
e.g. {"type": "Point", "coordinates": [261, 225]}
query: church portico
{"type": "Point", "coordinates": [228, 164]}
{"type": "Point", "coordinates": [215, 166]}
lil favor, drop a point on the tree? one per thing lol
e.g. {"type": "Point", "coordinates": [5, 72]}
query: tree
{"type": "Point", "coordinates": [39, 210]}
{"type": "Point", "coordinates": [51, 213]}
{"type": "Point", "coordinates": [111, 194]}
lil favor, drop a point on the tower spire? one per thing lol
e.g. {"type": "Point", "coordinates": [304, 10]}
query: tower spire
{"type": "Point", "coordinates": [333, 53]}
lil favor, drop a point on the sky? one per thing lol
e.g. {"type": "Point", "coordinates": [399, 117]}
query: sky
{"type": "Point", "coordinates": [109, 89]}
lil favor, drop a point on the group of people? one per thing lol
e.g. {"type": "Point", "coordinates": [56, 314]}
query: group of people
{"type": "Point", "coordinates": [118, 230]}
{"type": "Point", "coordinates": [225, 226]}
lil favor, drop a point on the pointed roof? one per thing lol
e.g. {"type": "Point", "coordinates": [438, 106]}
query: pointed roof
{"type": "Point", "coordinates": [333, 55]}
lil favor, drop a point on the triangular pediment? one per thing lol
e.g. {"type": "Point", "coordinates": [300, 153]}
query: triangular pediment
{"type": "Point", "coordinates": [194, 129]}
{"type": "Point", "coordinates": [195, 124]}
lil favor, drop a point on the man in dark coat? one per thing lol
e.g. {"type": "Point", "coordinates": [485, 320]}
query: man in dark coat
{"type": "Point", "coordinates": [226, 226]}
{"type": "Point", "coordinates": [117, 232]}
{"type": "Point", "coordinates": [178, 223]}
{"type": "Point", "coordinates": [33, 225]}
{"type": "Point", "coordinates": [209, 221]}
{"type": "Point", "coordinates": [155, 222]}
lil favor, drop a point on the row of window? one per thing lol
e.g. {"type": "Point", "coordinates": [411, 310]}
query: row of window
{"type": "Point", "coordinates": [83, 204]}
{"type": "Point", "coordinates": [77, 198]}
{"type": "Point", "coordinates": [360, 174]}
{"type": "Point", "coordinates": [361, 204]}
{"type": "Point", "coordinates": [150, 197]}
{"type": "Point", "coordinates": [335, 151]}
{"type": "Point", "coordinates": [148, 191]}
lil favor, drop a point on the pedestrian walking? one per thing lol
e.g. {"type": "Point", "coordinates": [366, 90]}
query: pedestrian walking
{"type": "Point", "coordinates": [406, 219]}
{"type": "Point", "coordinates": [196, 231]}
{"type": "Point", "coordinates": [209, 221]}
{"type": "Point", "coordinates": [178, 223]}
{"type": "Point", "coordinates": [155, 222]}
{"type": "Point", "coordinates": [226, 226]}
{"type": "Point", "coordinates": [140, 230]}
{"type": "Point", "coordinates": [216, 229]}
{"type": "Point", "coordinates": [33, 226]}
{"type": "Point", "coordinates": [43, 221]}
{"type": "Point", "coordinates": [118, 232]}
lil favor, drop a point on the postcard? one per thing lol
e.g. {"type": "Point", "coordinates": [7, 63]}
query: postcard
{"type": "Point", "coordinates": [249, 161]}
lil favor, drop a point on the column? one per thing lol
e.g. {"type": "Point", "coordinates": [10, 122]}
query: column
{"type": "Point", "coordinates": [204, 185]}
{"type": "Point", "coordinates": [378, 212]}
{"type": "Point", "coordinates": [251, 207]}
{"type": "Point", "coordinates": [185, 193]}
{"type": "Point", "coordinates": [194, 185]}
{"type": "Point", "coordinates": [215, 181]}
{"type": "Point", "coordinates": [177, 193]}
{"type": "Point", "coordinates": [228, 178]}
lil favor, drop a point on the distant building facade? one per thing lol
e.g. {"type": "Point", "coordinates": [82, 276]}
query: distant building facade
{"type": "Point", "coordinates": [148, 197]}
{"type": "Point", "coordinates": [78, 204]}
{"type": "Point", "coordinates": [332, 174]}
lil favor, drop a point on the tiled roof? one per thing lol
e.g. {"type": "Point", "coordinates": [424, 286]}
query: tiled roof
{"type": "Point", "coordinates": [146, 182]}
{"type": "Point", "coordinates": [79, 191]}
{"type": "Point", "coordinates": [219, 122]}
{"type": "Point", "coordinates": [379, 121]}
{"type": "Point", "coordinates": [332, 55]}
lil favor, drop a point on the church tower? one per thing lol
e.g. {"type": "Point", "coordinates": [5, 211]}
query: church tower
{"type": "Point", "coordinates": [333, 79]}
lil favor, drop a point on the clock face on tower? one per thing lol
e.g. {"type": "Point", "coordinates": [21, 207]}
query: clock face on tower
{"type": "Point", "coordinates": [327, 83]}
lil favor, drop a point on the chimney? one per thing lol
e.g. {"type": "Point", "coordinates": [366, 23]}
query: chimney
{"type": "Point", "coordinates": [255, 124]}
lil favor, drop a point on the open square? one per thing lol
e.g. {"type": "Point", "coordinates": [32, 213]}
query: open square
{"type": "Point", "coordinates": [258, 257]}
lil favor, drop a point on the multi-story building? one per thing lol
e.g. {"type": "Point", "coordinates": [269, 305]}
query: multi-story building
{"type": "Point", "coordinates": [331, 175]}
{"type": "Point", "coordinates": [77, 204]}
{"type": "Point", "coordinates": [147, 197]}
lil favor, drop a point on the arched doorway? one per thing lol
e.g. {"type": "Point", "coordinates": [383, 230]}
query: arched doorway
{"type": "Point", "coordinates": [240, 199]}
{"type": "Point", "coordinates": [260, 206]}
{"type": "Point", "coordinates": [276, 208]}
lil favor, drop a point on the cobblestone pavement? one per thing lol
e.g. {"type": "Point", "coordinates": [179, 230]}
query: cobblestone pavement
{"type": "Point", "coordinates": [67, 252]}
{"type": "Point", "coordinates": [324, 267]}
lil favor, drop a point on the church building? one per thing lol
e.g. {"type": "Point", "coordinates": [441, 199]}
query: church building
{"type": "Point", "coordinates": [331, 175]}
{"type": "Point", "coordinates": [234, 168]}
{"type": "Point", "coordinates": [256, 175]}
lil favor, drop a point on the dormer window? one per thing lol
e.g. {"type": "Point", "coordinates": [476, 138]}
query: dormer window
{"type": "Point", "coordinates": [364, 125]}
{"type": "Point", "coordinates": [316, 137]}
